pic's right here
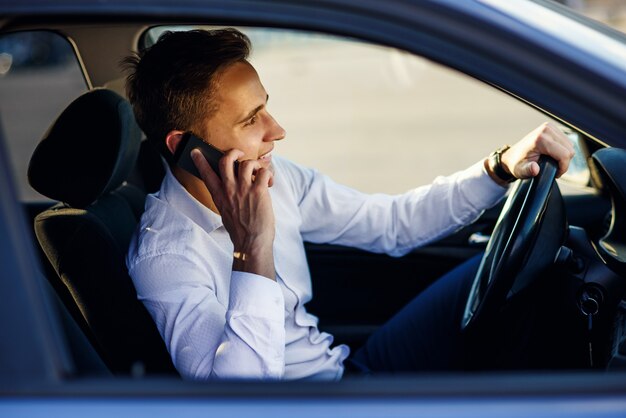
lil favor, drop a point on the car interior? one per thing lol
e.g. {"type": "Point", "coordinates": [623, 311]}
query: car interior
{"type": "Point", "coordinates": [96, 171]}
{"type": "Point", "coordinates": [86, 235]}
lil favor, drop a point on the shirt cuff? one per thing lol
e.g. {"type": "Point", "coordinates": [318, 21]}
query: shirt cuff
{"type": "Point", "coordinates": [485, 192]}
{"type": "Point", "coordinates": [256, 295]}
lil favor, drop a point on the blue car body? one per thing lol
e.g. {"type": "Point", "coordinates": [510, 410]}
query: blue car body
{"type": "Point", "coordinates": [569, 67]}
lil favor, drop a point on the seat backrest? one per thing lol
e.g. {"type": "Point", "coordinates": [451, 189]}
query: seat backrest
{"type": "Point", "coordinates": [82, 162]}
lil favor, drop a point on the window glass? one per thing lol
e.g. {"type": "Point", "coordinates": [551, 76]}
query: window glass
{"type": "Point", "coordinates": [578, 173]}
{"type": "Point", "coordinates": [377, 118]}
{"type": "Point", "coordinates": [39, 77]}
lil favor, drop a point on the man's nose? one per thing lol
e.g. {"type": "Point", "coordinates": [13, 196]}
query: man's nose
{"type": "Point", "coordinates": [276, 132]}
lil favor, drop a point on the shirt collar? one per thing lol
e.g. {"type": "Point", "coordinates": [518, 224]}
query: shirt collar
{"type": "Point", "coordinates": [179, 198]}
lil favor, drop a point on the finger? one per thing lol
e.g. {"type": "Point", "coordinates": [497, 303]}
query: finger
{"type": "Point", "coordinates": [563, 155]}
{"type": "Point", "coordinates": [264, 178]}
{"type": "Point", "coordinates": [227, 166]}
{"type": "Point", "coordinates": [529, 169]}
{"type": "Point", "coordinates": [247, 169]}
{"type": "Point", "coordinates": [557, 150]}
{"type": "Point", "coordinates": [210, 178]}
{"type": "Point", "coordinates": [559, 136]}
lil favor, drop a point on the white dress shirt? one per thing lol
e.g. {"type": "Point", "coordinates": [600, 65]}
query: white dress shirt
{"type": "Point", "coordinates": [228, 324]}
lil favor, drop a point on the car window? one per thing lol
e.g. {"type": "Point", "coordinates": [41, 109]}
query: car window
{"type": "Point", "coordinates": [39, 77]}
{"type": "Point", "coordinates": [578, 173]}
{"type": "Point", "coordinates": [377, 118]}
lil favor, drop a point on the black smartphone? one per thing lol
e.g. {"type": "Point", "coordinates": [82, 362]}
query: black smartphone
{"type": "Point", "coordinates": [182, 156]}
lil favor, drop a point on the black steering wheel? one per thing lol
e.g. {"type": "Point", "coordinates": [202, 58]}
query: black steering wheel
{"type": "Point", "coordinates": [526, 238]}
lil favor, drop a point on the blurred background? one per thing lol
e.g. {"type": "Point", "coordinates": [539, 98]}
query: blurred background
{"type": "Point", "coordinates": [611, 12]}
{"type": "Point", "coordinates": [374, 118]}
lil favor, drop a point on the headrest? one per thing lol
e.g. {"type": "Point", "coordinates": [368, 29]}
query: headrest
{"type": "Point", "coordinates": [88, 151]}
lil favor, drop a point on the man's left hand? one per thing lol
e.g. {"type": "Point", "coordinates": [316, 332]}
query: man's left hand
{"type": "Point", "coordinates": [521, 160]}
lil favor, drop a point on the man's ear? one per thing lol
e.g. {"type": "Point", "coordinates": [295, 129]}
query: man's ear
{"type": "Point", "coordinates": [172, 139]}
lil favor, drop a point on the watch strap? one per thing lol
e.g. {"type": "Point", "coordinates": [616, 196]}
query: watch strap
{"type": "Point", "coordinates": [495, 164]}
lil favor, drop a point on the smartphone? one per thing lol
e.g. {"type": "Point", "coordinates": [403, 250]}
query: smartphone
{"type": "Point", "coordinates": [182, 156]}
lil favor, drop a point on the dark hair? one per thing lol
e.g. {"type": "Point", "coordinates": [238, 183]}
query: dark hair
{"type": "Point", "coordinates": [171, 83]}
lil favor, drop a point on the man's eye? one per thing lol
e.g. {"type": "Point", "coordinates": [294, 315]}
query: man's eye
{"type": "Point", "coordinates": [251, 121]}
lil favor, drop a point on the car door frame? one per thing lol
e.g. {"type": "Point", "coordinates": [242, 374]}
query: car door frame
{"type": "Point", "coordinates": [35, 361]}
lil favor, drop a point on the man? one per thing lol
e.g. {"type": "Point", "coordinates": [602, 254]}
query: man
{"type": "Point", "coordinates": [220, 262]}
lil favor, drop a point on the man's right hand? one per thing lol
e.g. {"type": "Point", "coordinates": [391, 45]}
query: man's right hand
{"type": "Point", "coordinates": [245, 205]}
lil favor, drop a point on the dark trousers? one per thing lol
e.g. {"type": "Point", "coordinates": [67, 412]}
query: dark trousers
{"type": "Point", "coordinates": [426, 334]}
{"type": "Point", "coordinates": [536, 330]}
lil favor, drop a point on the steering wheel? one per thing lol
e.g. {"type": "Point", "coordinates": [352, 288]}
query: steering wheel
{"type": "Point", "coordinates": [526, 238]}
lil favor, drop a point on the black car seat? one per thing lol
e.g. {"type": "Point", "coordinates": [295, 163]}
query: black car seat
{"type": "Point", "coordinates": [82, 162]}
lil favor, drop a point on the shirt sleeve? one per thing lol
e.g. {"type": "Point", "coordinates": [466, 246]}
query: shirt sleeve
{"type": "Point", "coordinates": [332, 213]}
{"type": "Point", "coordinates": [244, 340]}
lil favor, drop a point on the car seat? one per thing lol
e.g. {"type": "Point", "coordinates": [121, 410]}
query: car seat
{"type": "Point", "coordinates": [82, 162]}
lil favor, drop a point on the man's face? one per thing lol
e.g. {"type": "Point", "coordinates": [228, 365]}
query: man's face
{"type": "Point", "coordinates": [242, 120]}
